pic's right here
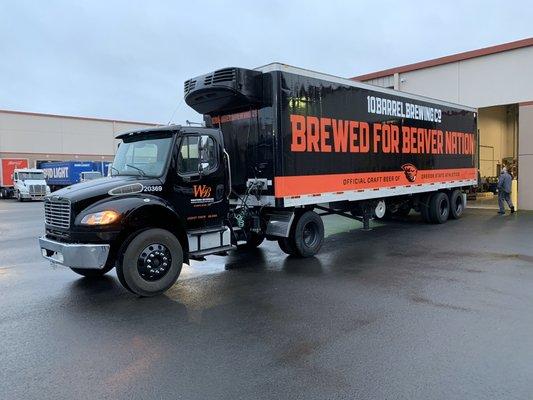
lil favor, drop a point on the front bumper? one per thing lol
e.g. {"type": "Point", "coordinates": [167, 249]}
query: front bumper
{"type": "Point", "coordinates": [75, 255]}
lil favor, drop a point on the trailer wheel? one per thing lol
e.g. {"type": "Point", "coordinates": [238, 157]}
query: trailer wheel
{"type": "Point", "coordinates": [424, 205]}
{"type": "Point", "coordinates": [457, 204]}
{"type": "Point", "coordinates": [403, 210]}
{"type": "Point", "coordinates": [151, 263]}
{"type": "Point", "coordinates": [308, 234]}
{"type": "Point", "coordinates": [439, 208]}
{"type": "Point", "coordinates": [93, 273]}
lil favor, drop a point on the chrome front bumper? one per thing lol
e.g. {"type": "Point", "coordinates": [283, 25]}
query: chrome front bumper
{"type": "Point", "coordinates": [75, 255]}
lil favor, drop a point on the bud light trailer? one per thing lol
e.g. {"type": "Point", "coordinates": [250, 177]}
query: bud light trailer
{"type": "Point", "coordinates": [282, 147]}
{"type": "Point", "coordinates": [65, 173]}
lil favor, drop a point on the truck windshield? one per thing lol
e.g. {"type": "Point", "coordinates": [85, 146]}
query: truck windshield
{"type": "Point", "coordinates": [91, 175]}
{"type": "Point", "coordinates": [144, 155]}
{"type": "Point", "coordinates": [31, 176]}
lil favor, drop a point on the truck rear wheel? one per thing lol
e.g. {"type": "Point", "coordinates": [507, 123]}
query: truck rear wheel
{"type": "Point", "coordinates": [151, 263]}
{"type": "Point", "coordinates": [254, 240]}
{"type": "Point", "coordinates": [457, 204]}
{"type": "Point", "coordinates": [307, 235]}
{"type": "Point", "coordinates": [439, 208]}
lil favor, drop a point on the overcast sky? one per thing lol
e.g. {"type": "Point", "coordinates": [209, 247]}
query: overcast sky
{"type": "Point", "coordinates": [128, 59]}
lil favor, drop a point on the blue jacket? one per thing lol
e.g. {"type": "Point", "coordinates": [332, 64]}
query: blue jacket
{"type": "Point", "coordinates": [504, 182]}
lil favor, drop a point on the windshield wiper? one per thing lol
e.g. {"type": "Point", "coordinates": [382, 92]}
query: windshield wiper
{"type": "Point", "coordinates": [137, 168]}
{"type": "Point", "coordinates": [113, 168]}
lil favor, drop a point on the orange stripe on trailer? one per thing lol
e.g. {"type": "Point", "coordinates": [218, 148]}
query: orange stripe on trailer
{"type": "Point", "coordinates": [312, 184]}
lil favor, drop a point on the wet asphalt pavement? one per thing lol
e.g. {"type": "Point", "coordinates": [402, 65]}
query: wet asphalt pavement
{"type": "Point", "coordinates": [405, 311]}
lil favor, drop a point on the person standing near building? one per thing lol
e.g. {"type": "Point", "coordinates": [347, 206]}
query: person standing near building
{"type": "Point", "coordinates": [504, 191]}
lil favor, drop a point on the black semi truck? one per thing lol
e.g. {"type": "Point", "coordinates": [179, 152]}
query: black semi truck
{"type": "Point", "coordinates": [282, 147]}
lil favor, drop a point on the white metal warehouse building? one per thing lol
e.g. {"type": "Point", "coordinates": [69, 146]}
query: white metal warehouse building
{"type": "Point", "coordinates": [498, 81]}
{"type": "Point", "coordinates": [46, 137]}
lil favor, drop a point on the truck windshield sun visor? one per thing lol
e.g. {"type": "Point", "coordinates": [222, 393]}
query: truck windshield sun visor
{"type": "Point", "coordinates": [143, 154]}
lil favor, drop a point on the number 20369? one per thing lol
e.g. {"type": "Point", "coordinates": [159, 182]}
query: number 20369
{"type": "Point", "coordinates": [153, 189]}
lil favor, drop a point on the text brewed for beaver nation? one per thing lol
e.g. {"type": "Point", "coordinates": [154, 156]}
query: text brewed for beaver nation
{"type": "Point", "coordinates": [327, 135]}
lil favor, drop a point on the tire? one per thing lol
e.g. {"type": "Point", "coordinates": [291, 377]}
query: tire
{"type": "Point", "coordinates": [308, 234]}
{"type": "Point", "coordinates": [457, 204]}
{"type": "Point", "coordinates": [151, 262]}
{"type": "Point", "coordinates": [287, 246]}
{"type": "Point", "coordinates": [254, 240]}
{"type": "Point", "coordinates": [19, 197]}
{"type": "Point", "coordinates": [424, 207]}
{"type": "Point", "coordinates": [93, 273]}
{"type": "Point", "coordinates": [439, 208]}
{"type": "Point", "coordinates": [403, 211]}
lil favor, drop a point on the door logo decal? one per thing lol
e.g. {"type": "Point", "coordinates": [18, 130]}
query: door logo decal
{"type": "Point", "coordinates": [202, 191]}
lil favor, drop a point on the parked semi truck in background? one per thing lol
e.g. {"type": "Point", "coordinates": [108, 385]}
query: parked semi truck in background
{"type": "Point", "coordinates": [65, 173]}
{"type": "Point", "coordinates": [21, 182]}
{"type": "Point", "coordinates": [283, 146]}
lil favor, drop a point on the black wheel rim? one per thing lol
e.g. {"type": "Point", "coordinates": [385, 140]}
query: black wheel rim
{"type": "Point", "coordinates": [154, 262]}
{"type": "Point", "coordinates": [310, 234]}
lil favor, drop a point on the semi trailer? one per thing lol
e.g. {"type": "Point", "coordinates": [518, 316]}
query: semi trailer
{"type": "Point", "coordinates": [282, 147]}
{"type": "Point", "coordinates": [65, 173]}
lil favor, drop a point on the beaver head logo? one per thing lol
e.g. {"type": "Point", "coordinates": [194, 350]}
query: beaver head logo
{"type": "Point", "coordinates": [410, 172]}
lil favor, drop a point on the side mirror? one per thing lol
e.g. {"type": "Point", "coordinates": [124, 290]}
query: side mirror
{"type": "Point", "coordinates": [202, 166]}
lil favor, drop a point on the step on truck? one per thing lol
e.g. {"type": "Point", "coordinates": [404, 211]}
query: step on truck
{"type": "Point", "coordinates": [282, 147]}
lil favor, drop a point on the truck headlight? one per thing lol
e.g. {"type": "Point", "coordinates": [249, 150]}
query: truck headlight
{"type": "Point", "coordinates": [100, 218]}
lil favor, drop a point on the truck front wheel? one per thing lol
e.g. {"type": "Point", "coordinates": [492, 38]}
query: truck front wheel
{"type": "Point", "coordinates": [151, 262]}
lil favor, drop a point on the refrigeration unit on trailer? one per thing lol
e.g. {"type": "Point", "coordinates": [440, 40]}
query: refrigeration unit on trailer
{"type": "Point", "coordinates": [281, 148]}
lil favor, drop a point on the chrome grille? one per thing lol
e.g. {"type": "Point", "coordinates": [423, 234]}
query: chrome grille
{"type": "Point", "coordinates": [57, 212]}
{"type": "Point", "coordinates": [37, 190]}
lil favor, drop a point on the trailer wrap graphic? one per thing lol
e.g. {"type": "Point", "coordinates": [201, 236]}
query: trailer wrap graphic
{"type": "Point", "coordinates": [338, 138]}
{"type": "Point", "coordinates": [314, 136]}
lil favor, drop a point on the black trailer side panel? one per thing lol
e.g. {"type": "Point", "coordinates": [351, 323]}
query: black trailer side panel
{"type": "Point", "coordinates": [335, 138]}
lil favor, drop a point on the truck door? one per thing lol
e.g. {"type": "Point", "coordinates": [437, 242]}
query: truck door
{"type": "Point", "coordinates": [200, 182]}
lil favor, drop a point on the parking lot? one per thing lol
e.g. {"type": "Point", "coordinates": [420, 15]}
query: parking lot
{"type": "Point", "coordinates": [405, 311]}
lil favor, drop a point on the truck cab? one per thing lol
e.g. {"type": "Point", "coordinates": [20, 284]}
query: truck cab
{"type": "Point", "coordinates": [29, 184]}
{"type": "Point", "coordinates": [165, 202]}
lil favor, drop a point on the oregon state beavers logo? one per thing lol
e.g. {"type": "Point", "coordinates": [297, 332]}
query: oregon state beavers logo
{"type": "Point", "coordinates": [410, 172]}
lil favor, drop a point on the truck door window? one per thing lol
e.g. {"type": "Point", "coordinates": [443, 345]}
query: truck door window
{"type": "Point", "coordinates": [197, 152]}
